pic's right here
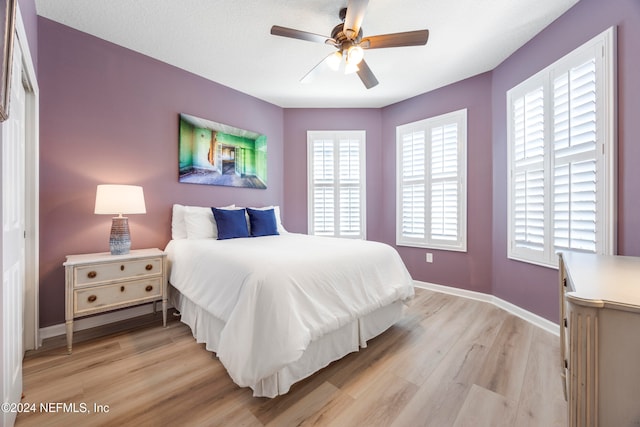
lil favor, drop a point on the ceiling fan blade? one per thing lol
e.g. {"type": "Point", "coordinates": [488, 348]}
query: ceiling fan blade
{"type": "Point", "coordinates": [318, 69]}
{"type": "Point", "coordinates": [277, 30]}
{"type": "Point", "coordinates": [409, 38]}
{"type": "Point", "coordinates": [353, 19]}
{"type": "Point", "coordinates": [366, 75]}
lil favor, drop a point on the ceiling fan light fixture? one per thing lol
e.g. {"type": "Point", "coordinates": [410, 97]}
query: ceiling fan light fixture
{"type": "Point", "coordinates": [351, 68]}
{"type": "Point", "coordinates": [349, 39]}
{"type": "Point", "coordinates": [355, 55]}
{"type": "Point", "coordinates": [333, 61]}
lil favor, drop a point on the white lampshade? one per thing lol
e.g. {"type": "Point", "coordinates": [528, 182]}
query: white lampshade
{"type": "Point", "coordinates": [355, 55]}
{"type": "Point", "coordinates": [119, 199]}
{"type": "Point", "coordinates": [333, 61]}
{"type": "Point", "coordinates": [351, 68]}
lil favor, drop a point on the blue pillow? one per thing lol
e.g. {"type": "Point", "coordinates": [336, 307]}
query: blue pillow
{"type": "Point", "coordinates": [232, 223]}
{"type": "Point", "coordinates": [263, 222]}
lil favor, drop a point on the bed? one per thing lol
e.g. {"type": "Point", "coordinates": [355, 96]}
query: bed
{"type": "Point", "coordinates": [279, 307]}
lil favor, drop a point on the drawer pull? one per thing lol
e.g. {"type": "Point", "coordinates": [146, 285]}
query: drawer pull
{"type": "Point", "coordinates": [91, 274]}
{"type": "Point", "coordinates": [149, 267]}
{"type": "Point", "coordinates": [122, 268]}
{"type": "Point", "coordinates": [565, 322]}
{"type": "Point", "coordinates": [121, 288]}
{"type": "Point", "coordinates": [149, 288]}
{"type": "Point", "coordinates": [566, 364]}
{"type": "Point", "coordinates": [92, 298]}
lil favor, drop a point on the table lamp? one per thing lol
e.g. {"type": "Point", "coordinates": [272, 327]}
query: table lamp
{"type": "Point", "coordinates": [119, 199]}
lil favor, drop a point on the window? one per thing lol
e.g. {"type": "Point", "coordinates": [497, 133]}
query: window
{"type": "Point", "coordinates": [336, 183]}
{"type": "Point", "coordinates": [431, 179]}
{"type": "Point", "coordinates": [561, 141]}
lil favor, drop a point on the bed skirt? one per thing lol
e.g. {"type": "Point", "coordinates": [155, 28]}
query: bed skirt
{"type": "Point", "coordinates": [206, 329]}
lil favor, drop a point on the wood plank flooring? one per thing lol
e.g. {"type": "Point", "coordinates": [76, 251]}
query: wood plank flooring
{"type": "Point", "coordinates": [450, 362]}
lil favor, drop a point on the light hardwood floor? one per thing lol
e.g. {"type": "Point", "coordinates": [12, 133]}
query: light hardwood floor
{"type": "Point", "coordinates": [450, 362]}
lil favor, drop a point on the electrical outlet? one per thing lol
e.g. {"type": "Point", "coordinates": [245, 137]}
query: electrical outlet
{"type": "Point", "coordinates": [429, 257]}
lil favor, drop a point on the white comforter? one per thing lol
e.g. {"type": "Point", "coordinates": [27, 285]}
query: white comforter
{"type": "Point", "coordinates": [276, 294]}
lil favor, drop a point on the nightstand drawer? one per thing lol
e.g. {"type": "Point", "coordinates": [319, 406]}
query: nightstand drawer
{"type": "Point", "coordinates": [106, 272]}
{"type": "Point", "coordinates": [120, 294]}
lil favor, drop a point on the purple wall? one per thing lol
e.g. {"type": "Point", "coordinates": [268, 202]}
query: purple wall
{"type": "Point", "coordinates": [110, 115]}
{"type": "Point", "coordinates": [296, 124]}
{"type": "Point", "coordinates": [30, 21]}
{"type": "Point", "coordinates": [535, 288]}
{"type": "Point", "coordinates": [472, 269]}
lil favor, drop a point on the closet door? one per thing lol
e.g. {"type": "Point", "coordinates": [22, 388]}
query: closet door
{"type": "Point", "coordinates": [13, 240]}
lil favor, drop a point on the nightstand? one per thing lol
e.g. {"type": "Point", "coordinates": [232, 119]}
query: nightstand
{"type": "Point", "coordinates": [101, 282]}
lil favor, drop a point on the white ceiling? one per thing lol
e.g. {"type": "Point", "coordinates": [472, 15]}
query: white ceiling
{"type": "Point", "coordinates": [229, 42]}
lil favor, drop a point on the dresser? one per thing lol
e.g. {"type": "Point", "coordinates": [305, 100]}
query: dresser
{"type": "Point", "coordinates": [101, 282]}
{"type": "Point", "coordinates": [600, 339]}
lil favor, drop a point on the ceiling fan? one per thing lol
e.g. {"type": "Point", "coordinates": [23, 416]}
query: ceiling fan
{"type": "Point", "coordinates": [348, 39]}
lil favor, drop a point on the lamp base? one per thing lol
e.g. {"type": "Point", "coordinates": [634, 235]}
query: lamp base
{"type": "Point", "coordinates": [120, 239]}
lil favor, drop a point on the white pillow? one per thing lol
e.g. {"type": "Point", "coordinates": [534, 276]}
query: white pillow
{"type": "Point", "coordinates": [178, 225]}
{"type": "Point", "coordinates": [276, 212]}
{"type": "Point", "coordinates": [200, 223]}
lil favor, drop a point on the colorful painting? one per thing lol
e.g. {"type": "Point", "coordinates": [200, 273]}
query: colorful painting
{"type": "Point", "coordinates": [216, 154]}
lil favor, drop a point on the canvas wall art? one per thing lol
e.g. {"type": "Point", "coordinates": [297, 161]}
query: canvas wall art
{"type": "Point", "coordinates": [217, 154]}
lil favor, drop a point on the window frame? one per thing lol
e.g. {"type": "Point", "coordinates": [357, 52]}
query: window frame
{"type": "Point", "coordinates": [335, 136]}
{"type": "Point", "coordinates": [458, 117]}
{"type": "Point", "coordinates": [603, 49]}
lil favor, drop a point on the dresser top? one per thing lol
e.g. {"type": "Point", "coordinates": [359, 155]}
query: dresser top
{"type": "Point", "coordinates": [106, 256]}
{"type": "Point", "coordinates": [600, 280]}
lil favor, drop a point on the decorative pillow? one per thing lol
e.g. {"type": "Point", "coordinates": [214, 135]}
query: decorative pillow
{"type": "Point", "coordinates": [178, 226]}
{"type": "Point", "coordinates": [200, 223]}
{"type": "Point", "coordinates": [262, 222]}
{"type": "Point", "coordinates": [276, 211]}
{"type": "Point", "coordinates": [231, 223]}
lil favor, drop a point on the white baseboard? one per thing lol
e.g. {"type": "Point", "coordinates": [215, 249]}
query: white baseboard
{"type": "Point", "coordinates": [532, 318]}
{"type": "Point", "coordinates": [97, 320]}
{"type": "Point", "coordinates": [141, 310]}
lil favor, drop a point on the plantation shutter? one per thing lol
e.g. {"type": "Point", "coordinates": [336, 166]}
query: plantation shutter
{"type": "Point", "coordinates": [413, 185]}
{"type": "Point", "coordinates": [575, 158]}
{"type": "Point", "coordinates": [431, 180]}
{"type": "Point", "coordinates": [323, 187]}
{"type": "Point", "coordinates": [350, 187]}
{"type": "Point", "coordinates": [444, 182]}
{"type": "Point", "coordinates": [336, 183]}
{"type": "Point", "coordinates": [562, 156]}
{"type": "Point", "coordinates": [528, 170]}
